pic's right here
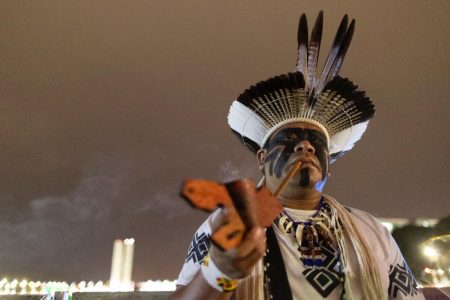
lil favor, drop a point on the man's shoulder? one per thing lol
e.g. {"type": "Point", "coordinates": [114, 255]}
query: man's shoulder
{"type": "Point", "coordinates": [359, 212]}
{"type": "Point", "coordinates": [365, 219]}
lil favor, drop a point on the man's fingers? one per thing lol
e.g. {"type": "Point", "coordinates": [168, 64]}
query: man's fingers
{"type": "Point", "coordinates": [246, 265]}
{"type": "Point", "coordinates": [254, 239]}
{"type": "Point", "coordinates": [221, 219]}
{"type": "Point", "coordinates": [239, 262]}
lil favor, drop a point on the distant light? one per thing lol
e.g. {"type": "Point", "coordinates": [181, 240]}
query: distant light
{"type": "Point", "coordinates": [24, 287]}
{"type": "Point", "coordinates": [158, 285]}
{"type": "Point", "coordinates": [129, 241]}
{"type": "Point", "coordinates": [388, 225]}
{"type": "Point", "coordinates": [14, 283]}
{"type": "Point", "coordinates": [23, 284]}
{"type": "Point", "coordinates": [82, 285]}
{"type": "Point", "coordinates": [431, 252]}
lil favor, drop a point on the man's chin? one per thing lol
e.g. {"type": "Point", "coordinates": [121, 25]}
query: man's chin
{"type": "Point", "coordinates": [304, 177]}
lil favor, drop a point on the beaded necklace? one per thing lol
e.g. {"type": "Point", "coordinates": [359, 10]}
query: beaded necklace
{"type": "Point", "coordinates": [309, 234]}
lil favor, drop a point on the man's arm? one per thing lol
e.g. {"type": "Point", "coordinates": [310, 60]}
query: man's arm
{"type": "Point", "coordinates": [198, 288]}
{"type": "Point", "coordinates": [235, 263]}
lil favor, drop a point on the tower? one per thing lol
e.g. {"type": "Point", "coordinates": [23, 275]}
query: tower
{"type": "Point", "coordinates": [122, 265]}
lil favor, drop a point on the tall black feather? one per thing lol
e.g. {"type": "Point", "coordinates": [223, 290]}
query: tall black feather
{"type": "Point", "coordinates": [334, 102]}
{"type": "Point", "coordinates": [343, 50]}
{"type": "Point", "coordinates": [313, 51]}
{"type": "Point", "coordinates": [302, 38]}
{"type": "Point", "coordinates": [334, 51]}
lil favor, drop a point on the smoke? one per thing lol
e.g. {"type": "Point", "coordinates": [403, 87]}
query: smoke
{"type": "Point", "coordinates": [98, 191]}
{"type": "Point", "coordinates": [59, 224]}
{"type": "Point", "coordinates": [229, 172]}
{"type": "Point", "coordinates": [232, 171]}
{"type": "Point", "coordinates": [166, 204]}
{"type": "Point", "coordinates": [170, 204]}
{"type": "Point", "coordinates": [112, 197]}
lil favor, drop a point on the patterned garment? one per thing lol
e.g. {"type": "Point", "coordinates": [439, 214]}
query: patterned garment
{"type": "Point", "coordinates": [326, 283]}
{"type": "Point", "coordinates": [330, 277]}
{"type": "Point", "coordinates": [198, 248]}
{"type": "Point", "coordinates": [402, 281]}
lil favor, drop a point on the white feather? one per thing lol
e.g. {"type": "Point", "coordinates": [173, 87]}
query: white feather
{"type": "Point", "coordinates": [344, 140]}
{"type": "Point", "coordinates": [245, 121]}
{"type": "Point", "coordinates": [259, 123]}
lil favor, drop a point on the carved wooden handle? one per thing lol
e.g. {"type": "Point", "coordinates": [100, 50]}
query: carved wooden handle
{"type": "Point", "coordinates": [246, 205]}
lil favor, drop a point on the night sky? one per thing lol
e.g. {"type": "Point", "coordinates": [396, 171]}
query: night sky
{"type": "Point", "coordinates": [106, 106]}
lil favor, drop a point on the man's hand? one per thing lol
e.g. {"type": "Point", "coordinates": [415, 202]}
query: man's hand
{"type": "Point", "coordinates": [238, 262]}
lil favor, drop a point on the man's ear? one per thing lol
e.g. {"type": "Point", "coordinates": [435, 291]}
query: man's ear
{"type": "Point", "coordinates": [261, 156]}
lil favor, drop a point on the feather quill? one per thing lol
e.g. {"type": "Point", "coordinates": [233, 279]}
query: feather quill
{"type": "Point", "coordinates": [302, 39]}
{"type": "Point", "coordinates": [337, 42]}
{"type": "Point", "coordinates": [332, 103]}
{"type": "Point", "coordinates": [343, 50]}
{"type": "Point", "coordinates": [313, 51]}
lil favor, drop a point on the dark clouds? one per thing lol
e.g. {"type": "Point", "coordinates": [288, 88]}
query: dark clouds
{"type": "Point", "coordinates": [106, 106]}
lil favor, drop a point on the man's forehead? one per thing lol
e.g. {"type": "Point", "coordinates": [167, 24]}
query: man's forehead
{"type": "Point", "coordinates": [299, 127]}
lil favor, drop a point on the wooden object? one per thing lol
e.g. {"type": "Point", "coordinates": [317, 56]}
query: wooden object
{"type": "Point", "coordinates": [288, 177]}
{"type": "Point", "coordinates": [246, 205]}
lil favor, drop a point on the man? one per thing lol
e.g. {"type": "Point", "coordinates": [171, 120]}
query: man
{"type": "Point", "coordinates": [316, 248]}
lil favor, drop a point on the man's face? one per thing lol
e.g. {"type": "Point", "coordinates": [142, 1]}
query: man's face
{"type": "Point", "coordinates": [304, 142]}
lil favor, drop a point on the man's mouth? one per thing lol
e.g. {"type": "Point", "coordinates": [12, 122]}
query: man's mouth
{"type": "Point", "coordinates": [295, 158]}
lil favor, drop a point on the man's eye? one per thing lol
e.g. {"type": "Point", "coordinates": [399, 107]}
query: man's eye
{"type": "Point", "coordinates": [289, 138]}
{"type": "Point", "coordinates": [319, 141]}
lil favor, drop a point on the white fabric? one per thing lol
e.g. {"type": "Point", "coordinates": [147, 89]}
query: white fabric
{"type": "Point", "coordinates": [385, 251]}
{"type": "Point", "coordinates": [211, 273]}
{"type": "Point", "coordinates": [191, 265]}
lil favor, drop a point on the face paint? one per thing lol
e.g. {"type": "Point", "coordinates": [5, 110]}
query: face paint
{"type": "Point", "coordinates": [304, 177]}
{"type": "Point", "coordinates": [282, 145]}
{"type": "Point", "coordinates": [277, 160]}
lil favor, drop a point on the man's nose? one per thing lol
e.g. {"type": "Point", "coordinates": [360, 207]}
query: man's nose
{"type": "Point", "coordinates": [304, 146]}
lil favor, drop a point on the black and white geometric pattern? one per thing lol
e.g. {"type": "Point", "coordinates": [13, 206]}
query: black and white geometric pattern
{"type": "Point", "coordinates": [402, 280]}
{"type": "Point", "coordinates": [198, 248]}
{"type": "Point", "coordinates": [325, 280]}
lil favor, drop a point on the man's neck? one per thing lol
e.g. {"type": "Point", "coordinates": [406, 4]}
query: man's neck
{"type": "Point", "coordinates": [304, 202]}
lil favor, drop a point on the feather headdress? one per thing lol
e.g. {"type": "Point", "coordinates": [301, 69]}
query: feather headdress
{"type": "Point", "coordinates": [332, 103]}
